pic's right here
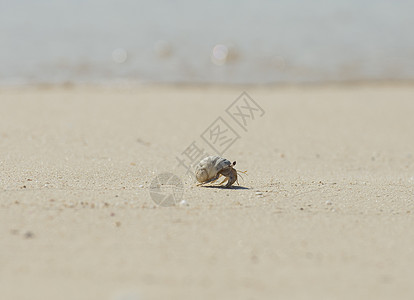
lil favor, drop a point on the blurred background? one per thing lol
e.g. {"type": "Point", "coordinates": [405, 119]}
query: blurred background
{"type": "Point", "coordinates": [186, 41]}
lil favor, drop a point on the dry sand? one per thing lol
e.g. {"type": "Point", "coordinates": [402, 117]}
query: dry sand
{"type": "Point", "coordinates": [326, 212]}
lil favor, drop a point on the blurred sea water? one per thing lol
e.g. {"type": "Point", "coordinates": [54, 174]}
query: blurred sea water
{"type": "Point", "coordinates": [261, 41]}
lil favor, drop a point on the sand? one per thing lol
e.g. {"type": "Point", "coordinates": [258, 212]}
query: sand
{"type": "Point", "coordinates": [325, 211]}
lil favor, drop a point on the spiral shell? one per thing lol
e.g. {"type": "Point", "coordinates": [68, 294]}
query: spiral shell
{"type": "Point", "coordinates": [209, 167]}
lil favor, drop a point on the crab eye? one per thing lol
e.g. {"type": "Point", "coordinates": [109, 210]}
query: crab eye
{"type": "Point", "coordinates": [234, 163]}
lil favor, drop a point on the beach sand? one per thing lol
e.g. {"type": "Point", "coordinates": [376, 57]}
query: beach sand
{"type": "Point", "coordinates": [324, 212]}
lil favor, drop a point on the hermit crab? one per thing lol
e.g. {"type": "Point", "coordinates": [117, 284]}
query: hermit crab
{"type": "Point", "coordinates": [211, 168]}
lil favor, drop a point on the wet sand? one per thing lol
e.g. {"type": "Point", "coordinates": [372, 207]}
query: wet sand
{"type": "Point", "coordinates": [325, 211]}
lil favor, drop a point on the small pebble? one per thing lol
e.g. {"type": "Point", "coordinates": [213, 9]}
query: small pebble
{"type": "Point", "coordinates": [254, 259]}
{"type": "Point", "coordinates": [28, 235]}
{"type": "Point", "coordinates": [184, 203]}
{"type": "Point", "coordinates": [141, 186]}
{"type": "Point", "coordinates": [127, 295]}
{"type": "Point", "coordinates": [259, 193]}
{"type": "Point", "coordinates": [328, 202]}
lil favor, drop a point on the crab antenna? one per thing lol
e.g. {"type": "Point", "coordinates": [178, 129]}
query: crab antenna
{"type": "Point", "coordinates": [239, 173]}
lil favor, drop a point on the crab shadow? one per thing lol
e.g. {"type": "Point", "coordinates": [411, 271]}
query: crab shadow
{"type": "Point", "coordinates": [221, 187]}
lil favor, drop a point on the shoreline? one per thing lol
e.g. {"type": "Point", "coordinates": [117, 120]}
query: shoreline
{"type": "Point", "coordinates": [138, 84]}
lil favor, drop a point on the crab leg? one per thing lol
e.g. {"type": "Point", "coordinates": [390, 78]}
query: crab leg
{"type": "Point", "coordinates": [215, 178]}
{"type": "Point", "coordinates": [225, 179]}
{"type": "Point", "coordinates": [211, 180]}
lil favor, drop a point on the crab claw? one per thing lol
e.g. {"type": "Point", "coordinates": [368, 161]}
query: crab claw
{"type": "Point", "coordinates": [232, 177]}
